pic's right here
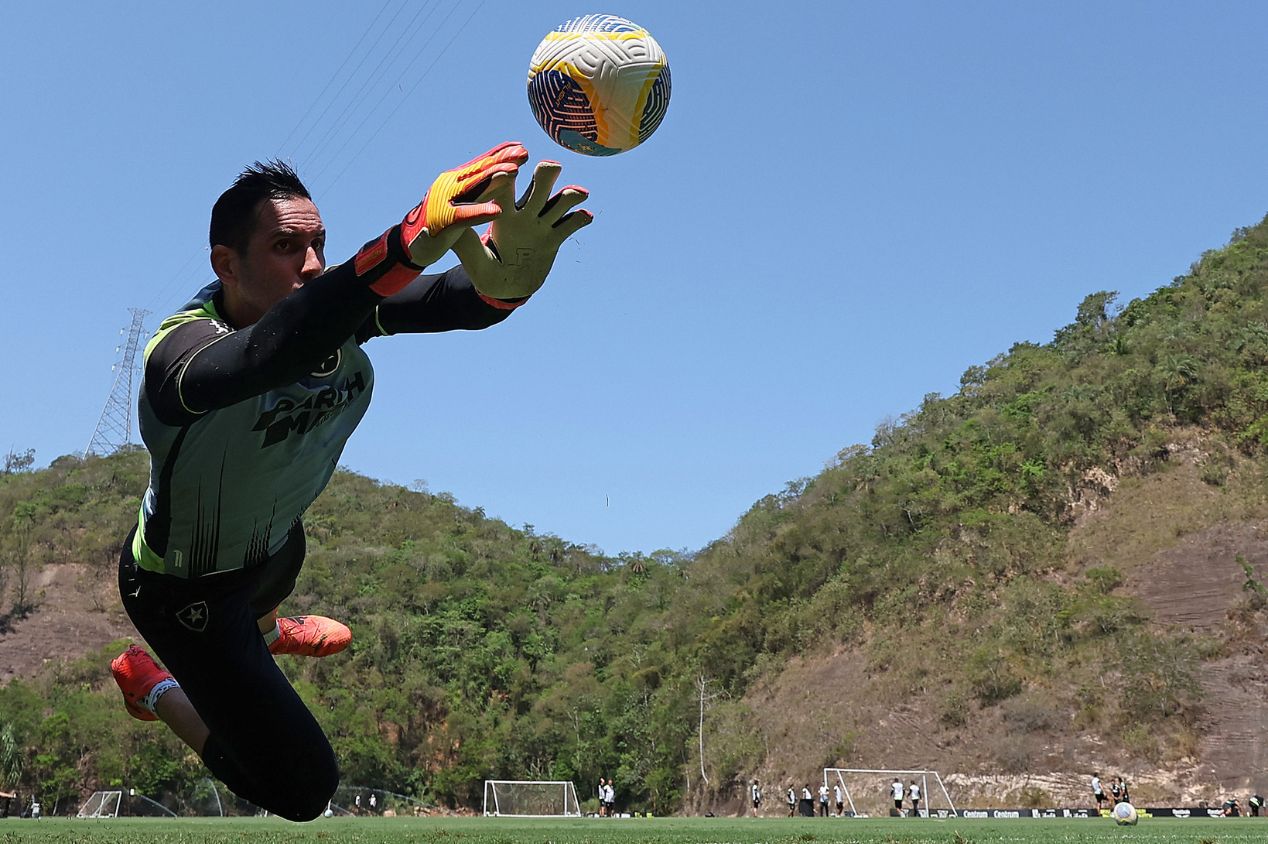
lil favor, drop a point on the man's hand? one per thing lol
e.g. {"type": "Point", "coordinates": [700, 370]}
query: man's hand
{"type": "Point", "coordinates": [513, 259]}
{"type": "Point", "coordinates": [460, 198]}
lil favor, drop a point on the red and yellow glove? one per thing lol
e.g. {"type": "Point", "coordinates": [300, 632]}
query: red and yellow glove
{"type": "Point", "coordinates": [457, 200]}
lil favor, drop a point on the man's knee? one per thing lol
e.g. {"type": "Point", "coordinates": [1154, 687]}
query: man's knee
{"type": "Point", "coordinates": [291, 780]}
{"type": "Point", "coordinates": [303, 795]}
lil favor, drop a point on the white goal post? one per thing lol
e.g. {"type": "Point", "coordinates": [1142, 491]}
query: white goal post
{"type": "Point", "coordinates": [102, 804]}
{"type": "Point", "coordinates": [842, 776]}
{"type": "Point", "coordinates": [530, 799]}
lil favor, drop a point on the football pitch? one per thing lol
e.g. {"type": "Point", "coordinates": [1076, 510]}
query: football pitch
{"type": "Point", "coordinates": [345, 830]}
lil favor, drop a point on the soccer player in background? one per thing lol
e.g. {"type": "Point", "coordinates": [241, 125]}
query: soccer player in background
{"type": "Point", "coordinates": [249, 393]}
{"type": "Point", "coordinates": [609, 799]}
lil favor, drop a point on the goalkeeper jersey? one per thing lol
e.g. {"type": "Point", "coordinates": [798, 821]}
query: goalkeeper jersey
{"type": "Point", "coordinates": [245, 427]}
{"type": "Point", "coordinates": [226, 486]}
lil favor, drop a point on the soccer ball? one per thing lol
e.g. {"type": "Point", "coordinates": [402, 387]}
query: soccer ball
{"type": "Point", "coordinates": [599, 84]}
{"type": "Point", "coordinates": [1125, 814]}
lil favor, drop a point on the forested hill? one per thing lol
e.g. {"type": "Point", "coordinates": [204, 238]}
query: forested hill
{"type": "Point", "coordinates": [1000, 562]}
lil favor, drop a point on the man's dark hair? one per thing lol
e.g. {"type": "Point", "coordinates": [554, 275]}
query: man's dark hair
{"type": "Point", "coordinates": [233, 215]}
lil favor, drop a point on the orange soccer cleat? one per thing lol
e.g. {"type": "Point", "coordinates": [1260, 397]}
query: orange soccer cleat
{"type": "Point", "coordinates": [310, 635]}
{"type": "Point", "coordinates": [139, 676]}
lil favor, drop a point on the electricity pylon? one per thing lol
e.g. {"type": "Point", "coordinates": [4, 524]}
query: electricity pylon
{"type": "Point", "coordinates": [114, 428]}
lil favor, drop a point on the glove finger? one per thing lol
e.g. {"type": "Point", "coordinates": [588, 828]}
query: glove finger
{"type": "Point", "coordinates": [512, 151]}
{"type": "Point", "coordinates": [572, 223]}
{"type": "Point", "coordinates": [471, 250]}
{"type": "Point", "coordinates": [475, 215]}
{"type": "Point", "coordinates": [483, 207]}
{"type": "Point", "coordinates": [501, 189]}
{"type": "Point", "coordinates": [563, 202]}
{"type": "Point", "coordinates": [478, 187]}
{"type": "Point", "coordinates": [543, 182]}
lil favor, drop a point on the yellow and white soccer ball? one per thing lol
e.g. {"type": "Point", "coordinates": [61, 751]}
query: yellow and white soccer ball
{"type": "Point", "coordinates": [599, 84]}
{"type": "Point", "coordinates": [1125, 814]}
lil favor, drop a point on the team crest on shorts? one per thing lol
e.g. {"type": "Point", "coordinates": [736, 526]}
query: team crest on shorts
{"type": "Point", "coordinates": [194, 616]}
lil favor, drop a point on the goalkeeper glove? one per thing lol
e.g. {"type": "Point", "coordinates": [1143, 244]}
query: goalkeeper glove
{"type": "Point", "coordinates": [457, 199]}
{"type": "Point", "coordinates": [513, 259]}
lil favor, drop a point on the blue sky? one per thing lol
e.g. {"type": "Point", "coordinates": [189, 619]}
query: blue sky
{"type": "Point", "coordinates": [847, 205]}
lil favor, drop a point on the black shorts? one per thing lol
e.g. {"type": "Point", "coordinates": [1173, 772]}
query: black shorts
{"type": "Point", "coordinates": [264, 743]}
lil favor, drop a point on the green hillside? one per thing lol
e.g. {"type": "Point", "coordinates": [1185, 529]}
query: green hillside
{"type": "Point", "coordinates": [951, 559]}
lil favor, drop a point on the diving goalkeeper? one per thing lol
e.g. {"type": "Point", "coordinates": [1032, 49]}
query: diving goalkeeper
{"type": "Point", "coordinates": [249, 393]}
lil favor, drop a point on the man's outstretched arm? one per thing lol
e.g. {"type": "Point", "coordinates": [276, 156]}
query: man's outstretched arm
{"type": "Point", "coordinates": [499, 271]}
{"type": "Point", "coordinates": [203, 364]}
{"type": "Point", "coordinates": [442, 302]}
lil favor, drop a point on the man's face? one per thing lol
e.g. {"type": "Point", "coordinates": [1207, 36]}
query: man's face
{"type": "Point", "coordinates": [285, 250]}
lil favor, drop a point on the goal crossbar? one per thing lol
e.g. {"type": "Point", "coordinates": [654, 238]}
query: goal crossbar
{"type": "Point", "coordinates": [923, 774]}
{"type": "Point", "coordinates": [531, 799]}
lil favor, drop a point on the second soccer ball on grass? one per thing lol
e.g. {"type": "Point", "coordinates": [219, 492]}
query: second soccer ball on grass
{"type": "Point", "coordinates": [1125, 814]}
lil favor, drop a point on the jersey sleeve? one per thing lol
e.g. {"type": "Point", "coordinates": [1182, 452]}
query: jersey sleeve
{"type": "Point", "coordinates": [446, 301]}
{"type": "Point", "coordinates": [204, 364]}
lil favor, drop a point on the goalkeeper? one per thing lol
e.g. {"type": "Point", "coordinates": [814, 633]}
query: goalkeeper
{"type": "Point", "coordinates": [250, 392]}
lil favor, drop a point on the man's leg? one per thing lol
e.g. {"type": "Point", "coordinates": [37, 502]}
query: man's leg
{"type": "Point", "coordinates": [151, 692]}
{"type": "Point", "coordinates": [234, 706]}
{"type": "Point", "coordinates": [304, 635]}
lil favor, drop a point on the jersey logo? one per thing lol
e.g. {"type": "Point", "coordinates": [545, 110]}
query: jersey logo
{"type": "Point", "coordinates": [328, 366]}
{"type": "Point", "coordinates": [290, 416]}
{"type": "Point", "coordinates": [194, 617]}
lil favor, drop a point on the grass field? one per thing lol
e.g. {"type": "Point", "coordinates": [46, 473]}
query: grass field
{"type": "Point", "coordinates": [654, 831]}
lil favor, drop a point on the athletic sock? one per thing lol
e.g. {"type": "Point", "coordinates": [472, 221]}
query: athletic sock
{"type": "Point", "coordinates": [161, 688]}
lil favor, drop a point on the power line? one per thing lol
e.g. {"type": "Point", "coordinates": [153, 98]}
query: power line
{"type": "Point", "coordinates": [407, 37]}
{"type": "Point", "coordinates": [353, 116]}
{"type": "Point", "coordinates": [331, 81]}
{"type": "Point", "coordinates": [402, 100]}
{"type": "Point", "coordinates": [319, 122]}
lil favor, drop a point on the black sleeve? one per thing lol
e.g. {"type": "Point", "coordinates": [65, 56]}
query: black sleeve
{"type": "Point", "coordinates": [208, 366]}
{"type": "Point", "coordinates": [205, 364]}
{"type": "Point", "coordinates": [430, 303]}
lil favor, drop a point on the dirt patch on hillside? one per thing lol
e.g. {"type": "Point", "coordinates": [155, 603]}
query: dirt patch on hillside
{"type": "Point", "coordinates": [1176, 541]}
{"type": "Point", "coordinates": [77, 611]}
{"type": "Point", "coordinates": [1198, 586]}
{"type": "Point", "coordinates": [832, 712]}
{"type": "Point", "coordinates": [1195, 583]}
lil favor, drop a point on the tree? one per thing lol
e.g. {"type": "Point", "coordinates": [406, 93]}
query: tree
{"type": "Point", "coordinates": [18, 461]}
{"type": "Point", "coordinates": [10, 758]}
{"type": "Point", "coordinates": [702, 684]}
{"type": "Point", "coordinates": [23, 522]}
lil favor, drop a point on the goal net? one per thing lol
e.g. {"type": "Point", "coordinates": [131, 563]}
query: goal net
{"type": "Point", "coordinates": [102, 804]}
{"type": "Point", "coordinates": [871, 788]}
{"type": "Point", "coordinates": [530, 799]}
